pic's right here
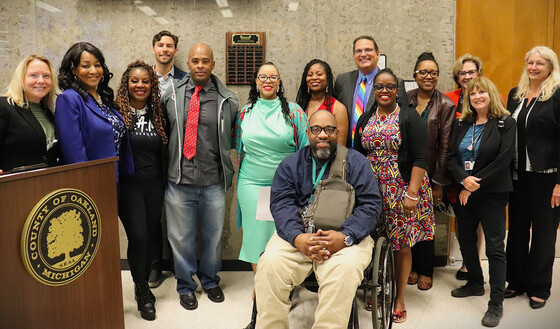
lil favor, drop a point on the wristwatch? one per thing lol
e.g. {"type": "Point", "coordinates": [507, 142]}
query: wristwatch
{"type": "Point", "coordinates": [348, 241]}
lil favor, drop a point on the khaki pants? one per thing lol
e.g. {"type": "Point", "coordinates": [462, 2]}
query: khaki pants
{"type": "Point", "coordinates": [282, 267]}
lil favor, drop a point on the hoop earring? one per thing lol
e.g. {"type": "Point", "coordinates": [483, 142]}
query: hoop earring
{"type": "Point", "coordinates": [102, 78]}
{"type": "Point", "coordinates": [308, 91]}
{"type": "Point", "coordinates": [327, 90]}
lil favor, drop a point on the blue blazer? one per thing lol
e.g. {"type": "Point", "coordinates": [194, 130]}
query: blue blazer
{"type": "Point", "coordinates": [86, 134]}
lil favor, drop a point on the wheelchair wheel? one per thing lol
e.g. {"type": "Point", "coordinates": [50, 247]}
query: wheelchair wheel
{"type": "Point", "coordinates": [383, 285]}
{"type": "Point", "coordinates": [353, 321]}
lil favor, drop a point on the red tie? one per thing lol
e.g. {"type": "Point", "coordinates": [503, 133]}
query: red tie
{"type": "Point", "coordinates": [191, 129]}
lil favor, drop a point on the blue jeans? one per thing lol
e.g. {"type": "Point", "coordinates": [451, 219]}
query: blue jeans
{"type": "Point", "coordinates": [188, 207]}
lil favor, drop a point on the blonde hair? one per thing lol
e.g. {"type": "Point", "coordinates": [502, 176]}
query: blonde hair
{"type": "Point", "coordinates": [495, 109]}
{"type": "Point", "coordinates": [16, 90]}
{"type": "Point", "coordinates": [548, 86]}
{"type": "Point", "coordinates": [459, 63]}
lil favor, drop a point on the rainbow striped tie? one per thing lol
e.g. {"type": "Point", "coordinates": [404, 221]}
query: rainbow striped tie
{"type": "Point", "coordinates": [359, 109]}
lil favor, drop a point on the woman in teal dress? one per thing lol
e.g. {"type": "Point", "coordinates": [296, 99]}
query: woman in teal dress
{"type": "Point", "coordinates": [267, 130]}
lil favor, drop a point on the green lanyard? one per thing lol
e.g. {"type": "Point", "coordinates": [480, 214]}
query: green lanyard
{"type": "Point", "coordinates": [316, 179]}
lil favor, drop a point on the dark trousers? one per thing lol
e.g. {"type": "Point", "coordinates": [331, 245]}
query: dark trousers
{"type": "Point", "coordinates": [490, 211]}
{"type": "Point", "coordinates": [140, 206]}
{"type": "Point", "coordinates": [530, 270]}
{"type": "Point", "coordinates": [423, 258]}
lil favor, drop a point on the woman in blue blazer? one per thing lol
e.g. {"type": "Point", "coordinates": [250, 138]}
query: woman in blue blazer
{"type": "Point", "coordinates": [479, 161]}
{"type": "Point", "coordinates": [87, 122]}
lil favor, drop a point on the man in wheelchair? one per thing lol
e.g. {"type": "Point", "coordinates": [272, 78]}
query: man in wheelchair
{"type": "Point", "coordinates": [338, 258]}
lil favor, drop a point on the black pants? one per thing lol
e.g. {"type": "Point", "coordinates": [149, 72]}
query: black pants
{"type": "Point", "coordinates": [423, 258]}
{"type": "Point", "coordinates": [490, 211]}
{"type": "Point", "coordinates": [530, 270]}
{"type": "Point", "coordinates": [140, 206]}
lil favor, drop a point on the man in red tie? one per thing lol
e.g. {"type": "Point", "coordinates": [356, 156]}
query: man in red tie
{"type": "Point", "coordinates": [201, 114]}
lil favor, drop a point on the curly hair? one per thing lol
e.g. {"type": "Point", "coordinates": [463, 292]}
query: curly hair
{"type": "Point", "coordinates": [254, 94]}
{"type": "Point", "coordinates": [155, 113]}
{"type": "Point", "coordinates": [303, 94]}
{"type": "Point", "coordinates": [71, 60]}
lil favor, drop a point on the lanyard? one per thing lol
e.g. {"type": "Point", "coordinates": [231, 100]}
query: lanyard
{"type": "Point", "coordinates": [475, 140]}
{"type": "Point", "coordinates": [317, 179]}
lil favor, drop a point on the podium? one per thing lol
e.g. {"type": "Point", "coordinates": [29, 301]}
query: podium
{"type": "Point", "coordinates": [92, 299]}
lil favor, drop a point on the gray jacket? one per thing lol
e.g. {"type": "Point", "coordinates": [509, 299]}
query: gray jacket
{"type": "Point", "coordinates": [174, 104]}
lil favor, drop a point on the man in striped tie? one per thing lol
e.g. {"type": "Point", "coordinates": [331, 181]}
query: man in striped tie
{"type": "Point", "coordinates": [354, 89]}
{"type": "Point", "coordinates": [201, 114]}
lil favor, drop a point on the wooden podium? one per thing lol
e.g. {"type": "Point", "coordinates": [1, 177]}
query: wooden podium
{"type": "Point", "coordinates": [93, 299]}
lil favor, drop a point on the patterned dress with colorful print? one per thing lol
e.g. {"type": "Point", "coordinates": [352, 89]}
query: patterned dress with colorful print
{"type": "Point", "coordinates": [381, 138]}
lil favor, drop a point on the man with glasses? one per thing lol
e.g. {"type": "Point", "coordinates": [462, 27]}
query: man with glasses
{"type": "Point", "coordinates": [354, 89]}
{"type": "Point", "coordinates": [201, 115]}
{"type": "Point", "coordinates": [338, 258]}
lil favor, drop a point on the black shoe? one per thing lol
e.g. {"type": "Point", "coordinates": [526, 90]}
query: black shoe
{"type": "Point", "coordinates": [188, 301]}
{"type": "Point", "coordinates": [155, 279]}
{"type": "Point", "coordinates": [535, 304]}
{"type": "Point", "coordinates": [146, 303]}
{"type": "Point", "coordinates": [470, 289]}
{"type": "Point", "coordinates": [460, 275]}
{"type": "Point", "coordinates": [508, 293]}
{"type": "Point", "coordinates": [215, 294]}
{"type": "Point", "coordinates": [493, 314]}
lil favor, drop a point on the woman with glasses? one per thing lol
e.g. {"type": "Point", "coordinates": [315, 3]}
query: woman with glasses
{"type": "Point", "coordinates": [479, 162]}
{"type": "Point", "coordinates": [438, 111]}
{"type": "Point", "coordinates": [315, 93]}
{"type": "Point", "coordinates": [465, 68]}
{"type": "Point", "coordinates": [534, 210]}
{"type": "Point", "coordinates": [394, 138]}
{"type": "Point", "coordinates": [267, 130]}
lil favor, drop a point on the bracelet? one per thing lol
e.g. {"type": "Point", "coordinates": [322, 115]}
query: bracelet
{"type": "Point", "coordinates": [411, 198]}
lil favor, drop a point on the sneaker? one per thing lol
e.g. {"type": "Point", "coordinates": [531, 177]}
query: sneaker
{"type": "Point", "coordinates": [155, 279]}
{"type": "Point", "coordinates": [470, 289]}
{"type": "Point", "coordinates": [493, 315]}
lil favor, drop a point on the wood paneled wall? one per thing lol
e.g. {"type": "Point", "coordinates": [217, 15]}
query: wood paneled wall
{"type": "Point", "coordinates": [500, 32]}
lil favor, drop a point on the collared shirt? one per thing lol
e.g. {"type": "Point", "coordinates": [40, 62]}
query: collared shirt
{"type": "Point", "coordinates": [205, 167]}
{"type": "Point", "coordinates": [164, 84]}
{"type": "Point", "coordinates": [369, 85]}
{"type": "Point", "coordinates": [292, 187]}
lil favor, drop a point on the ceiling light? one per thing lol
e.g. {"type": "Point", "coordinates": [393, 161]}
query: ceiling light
{"type": "Point", "coordinates": [161, 20]}
{"type": "Point", "coordinates": [47, 7]}
{"type": "Point", "coordinates": [222, 3]}
{"type": "Point", "coordinates": [293, 6]}
{"type": "Point", "coordinates": [147, 10]}
{"type": "Point", "coordinates": [227, 13]}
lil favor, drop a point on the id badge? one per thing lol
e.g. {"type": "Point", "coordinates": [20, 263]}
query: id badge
{"type": "Point", "coordinates": [469, 165]}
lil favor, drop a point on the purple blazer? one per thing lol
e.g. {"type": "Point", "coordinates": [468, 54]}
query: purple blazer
{"type": "Point", "coordinates": [86, 134]}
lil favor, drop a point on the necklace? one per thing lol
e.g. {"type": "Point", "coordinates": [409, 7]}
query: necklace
{"type": "Point", "coordinates": [383, 117]}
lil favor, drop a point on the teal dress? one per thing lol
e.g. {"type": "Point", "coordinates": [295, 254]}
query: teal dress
{"type": "Point", "coordinates": [264, 140]}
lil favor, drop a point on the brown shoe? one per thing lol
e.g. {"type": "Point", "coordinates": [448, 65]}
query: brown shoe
{"type": "Point", "coordinates": [425, 282]}
{"type": "Point", "coordinates": [412, 278]}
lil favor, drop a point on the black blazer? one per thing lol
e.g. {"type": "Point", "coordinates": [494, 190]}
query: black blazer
{"type": "Point", "coordinates": [542, 132]}
{"type": "Point", "coordinates": [22, 139]}
{"type": "Point", "coordinates": [344, 88]}
{"type": "Point", "coordinates": [494, 158]}
{"type": "Point", "coordinates": [413, 151]}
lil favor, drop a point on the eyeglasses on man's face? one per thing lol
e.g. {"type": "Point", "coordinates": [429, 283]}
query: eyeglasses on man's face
{"type": "Point", "coordinates": [367, 51]}
{"type": "Point", "coordinates": [379, 87]}
{"type": "Point", "coordinates": [272, 78]}
{"type": "Point", "coordinates": [424, 73]}
{"type": "Point", "coordinates": [316, 130]}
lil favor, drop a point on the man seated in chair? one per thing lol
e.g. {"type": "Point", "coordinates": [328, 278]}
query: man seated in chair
{"type": "Point", "coordinates": [338, 258]}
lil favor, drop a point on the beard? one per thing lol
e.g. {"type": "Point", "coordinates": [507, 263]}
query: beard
{"type": "Point", "coordinates": [323, 153]}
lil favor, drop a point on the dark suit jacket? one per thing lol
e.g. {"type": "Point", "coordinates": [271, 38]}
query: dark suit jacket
{"type": "Point", "coordinates": [86, 133]}
{"type": "Point", "coordinates": [494, 158]}
{"type": "Point", "coordinates": [542, 132]}
{"type": "Point", "coordinates": [22, 139]}
{"type": "Point", "coordinates": [344, 88]}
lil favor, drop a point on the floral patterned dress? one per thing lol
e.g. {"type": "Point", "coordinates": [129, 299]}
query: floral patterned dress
{"type": "Point", "coordinates": [381, 138]}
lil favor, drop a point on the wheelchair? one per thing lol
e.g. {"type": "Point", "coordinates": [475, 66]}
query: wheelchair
{"type": "Point", "coordinates": [378, 287]}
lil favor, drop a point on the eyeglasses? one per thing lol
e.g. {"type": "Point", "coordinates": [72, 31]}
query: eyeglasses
{"type": "Point", "coordinates": [366, 51]}
{"type": "Point", "coordinates": [272, 78]}
{"type": "Point", "coordinates": [471, 73]}
{"type": "Point", "coordinates": [424, 73]}
{"type": "Point", "coordinates": [390, 87]}
{"type": "Point", "coordinates": [316, 130]}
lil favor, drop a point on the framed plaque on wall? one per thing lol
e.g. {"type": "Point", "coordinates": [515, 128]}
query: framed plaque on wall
{"type": "Point", "coordinates": [245, 52]}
